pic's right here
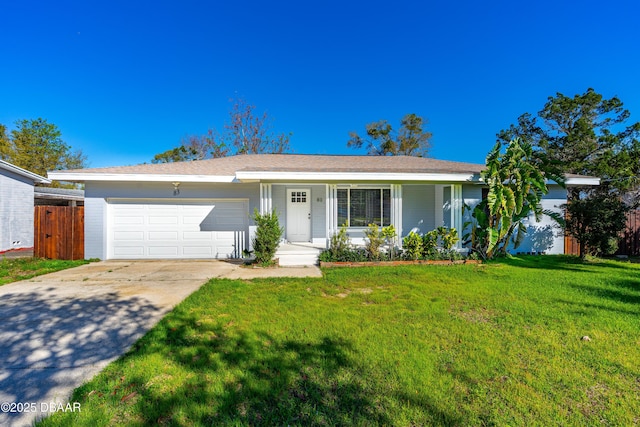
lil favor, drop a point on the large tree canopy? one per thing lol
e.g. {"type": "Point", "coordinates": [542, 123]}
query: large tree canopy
{"type": "Point", "coordinates": [381, 140]}
{"type": "Point", "coordinates": [37, 145]}
{"type": "Point", "coordinates": [587, 134]}
{"type": "Point", "coordinates": [244, 133]}
{"type": "Point", "coordinates": [584, 134]}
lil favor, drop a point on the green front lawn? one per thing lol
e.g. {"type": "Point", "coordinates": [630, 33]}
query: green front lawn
{"type": "Point", "coordinates": [14, 269]}
{"type": "Point", "coordinates": [496, 344]}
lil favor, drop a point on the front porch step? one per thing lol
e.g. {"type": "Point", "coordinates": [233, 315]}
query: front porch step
{"type": "Point", "coordinates": [290, 254]}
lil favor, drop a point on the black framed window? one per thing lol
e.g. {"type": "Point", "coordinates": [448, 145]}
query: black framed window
{"type": "Point", "coordinates": [359, 207]}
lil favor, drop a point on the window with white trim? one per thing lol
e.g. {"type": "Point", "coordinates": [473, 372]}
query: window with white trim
{"type": "Point", "coordinates": [359, 207]}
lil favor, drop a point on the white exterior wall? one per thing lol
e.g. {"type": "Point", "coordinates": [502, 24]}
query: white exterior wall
{"type": "Point", "coordinates": [98, 193]}
{"type": "Point", "coordinates": [472, 194]}
{"type": "Point", "coordinates": [95, 227]}
{"type": "Point", "coordinates": [279, 202]}
{"type": "Point", "coordinates": [16, 211]}
{"type": "Point", "coordinates": [446, 206]}
{"type": "Point", "coordinates": [545, 236]}
{"type": "Point", "coordinates": [418, 208]}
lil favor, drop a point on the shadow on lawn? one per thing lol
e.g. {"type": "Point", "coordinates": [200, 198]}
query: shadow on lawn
{"type": "Point", "coordinates": [562, 262]}
{"type": "Point", "coordinates": [268, 382]}
{"type": "Point", "coordinates": [239, 378]}
{"type": "Point", "coordinates": [619, 290]}
{"type": "Point", "coordinates": [582, 308]}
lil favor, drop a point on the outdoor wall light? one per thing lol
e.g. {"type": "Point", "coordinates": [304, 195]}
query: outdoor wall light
{"type": "Point", "coordinates": [176, 188]}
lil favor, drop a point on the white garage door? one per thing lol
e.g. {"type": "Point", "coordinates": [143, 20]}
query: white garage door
{"type": "Point", "coordinates": [188, 229]}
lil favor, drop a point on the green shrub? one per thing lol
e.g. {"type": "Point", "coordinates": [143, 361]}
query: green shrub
{"type": "Point", "coordinates": [374, 241]}
{"type": "Point", "coordinates": [611, 246]}
{"type": "Point", "coordinates": [339, 242]}
{"type": "Point", "coordinates": [267, 238]}
{"type": "Point", "coordinates": [413, 246]}
{"type": "Point", "coordinates": [430, 244]}
{"type": "Point", "coordinates": [389, 235]}
{"type": "Point", "coordinates": [341, 250]}
{"type": "Point", "coordinates": [349, 255]}
{"type": "Point", "coordinates": [448, 237]}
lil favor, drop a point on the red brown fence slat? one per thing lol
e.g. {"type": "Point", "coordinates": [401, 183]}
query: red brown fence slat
{"type": "Point", "coordinates": [628, 242]}
{"type": "Point", "coordinates": [59, 232]}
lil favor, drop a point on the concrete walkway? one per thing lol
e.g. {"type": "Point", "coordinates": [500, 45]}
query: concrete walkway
{"type": "Point", "coordinates": [58, 330]}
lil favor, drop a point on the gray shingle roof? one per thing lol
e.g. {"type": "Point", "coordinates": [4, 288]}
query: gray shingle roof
{"type": "Point", "coordinates": [228, 166]}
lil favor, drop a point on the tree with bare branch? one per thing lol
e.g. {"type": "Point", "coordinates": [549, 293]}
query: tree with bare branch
{"type": "Point", "coordinates": [245, 133]}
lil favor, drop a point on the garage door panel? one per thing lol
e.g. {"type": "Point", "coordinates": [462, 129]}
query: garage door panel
{"type": "Point", "coordinates": [129, 251]}
{"type": "Point", "coordinates": [198, 235]}
{"type": "Point", "coordinates": [129, 220]}
{"type": "Point", "coordinates": [128, 235]}
{"type": "Point", "coordinates": [194, 220]}
{"type": "Point", "coordinates": [163, 235]}
{"type": "Point", "coordinates": [163, 207]}
{"type": "Point", "coordinates": [200, 251]}
{"type": "Point", "coordinates": [163, 251]}
{"type": "Point", "coordinates": [198, 209]}
{"type": "Point", "coordinates": [163, 220]}
{"type": "Point", "coordinates": [190, 229]}
{"type": "Point", "coordinates": [229, 221]}
{"type": "Point", "coordinates": [225, 217]}
{"type": "Point", "coordinates": [225, 236]}
{"type": "Point", "coordinates": [127, 207]}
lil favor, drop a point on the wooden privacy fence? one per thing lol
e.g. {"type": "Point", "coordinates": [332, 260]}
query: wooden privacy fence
{"type": "Point", "coordinates": [59, 232]}
{"type": "Point", "coordinates": [628, 241]}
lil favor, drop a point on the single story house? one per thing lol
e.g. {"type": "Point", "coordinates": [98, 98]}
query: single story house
{"type": "Point", "coordinates": [202, 209]}
{"type": "Point", "coordinates": [16, 206]}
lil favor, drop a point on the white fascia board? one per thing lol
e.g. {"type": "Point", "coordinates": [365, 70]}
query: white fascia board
{"type": "Point", "coordinates": [23, 172]}
{"type": "Point", "coordinates": [121, 177]}
{"type": "Point", "coordinates": [574, 181]}
{"type": "Point", "coordinates": [351, 176]}
{"type": "Point", "coordinates": [582, 181]}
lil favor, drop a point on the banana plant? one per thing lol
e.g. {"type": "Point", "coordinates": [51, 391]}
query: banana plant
{"type": "Point", "coordinates": [516, 187]}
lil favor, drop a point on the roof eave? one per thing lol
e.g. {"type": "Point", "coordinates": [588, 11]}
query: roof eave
{"type": "Point", "coordinates": [50, 196]}
{"type": "Point", "coordinates": [136, 177]}
{"type": "Point", "coordinates": [253, 176]}
{"type": "Point", "coordinates": [24, 173]}
{"type": "Point", "coordinates": [582, 181]}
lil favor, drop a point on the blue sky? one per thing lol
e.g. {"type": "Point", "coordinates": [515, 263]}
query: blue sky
{"type": "Point", "coordinates": [124, 80]}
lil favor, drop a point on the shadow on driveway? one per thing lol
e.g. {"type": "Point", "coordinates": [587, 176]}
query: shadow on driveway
{"type": "Point", "coordinates": [50, 343]}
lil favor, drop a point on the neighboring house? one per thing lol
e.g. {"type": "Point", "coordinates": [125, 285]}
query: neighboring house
{"type": "Point", "coordinates": [202, 209]}
{"type": "Point", "coordinates": [51, 196]}
{"type": "Point", "coordinates": [16, 206]}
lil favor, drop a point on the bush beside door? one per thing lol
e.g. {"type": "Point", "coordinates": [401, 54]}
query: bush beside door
{"type": "Point", "coordinates": [59, 232]}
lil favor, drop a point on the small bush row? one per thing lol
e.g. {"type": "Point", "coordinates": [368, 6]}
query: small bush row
{"type": "Point", "coordinates": [381, 245]}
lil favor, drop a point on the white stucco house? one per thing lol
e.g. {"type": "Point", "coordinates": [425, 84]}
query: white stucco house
{"type": "Point", "coordinates": [16, 206]}
{"type": "Point", "coordinates": [202, 209]}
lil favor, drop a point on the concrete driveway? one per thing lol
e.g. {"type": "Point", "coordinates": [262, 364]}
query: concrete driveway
{"type": "Point", "coordinates": [58, 330]}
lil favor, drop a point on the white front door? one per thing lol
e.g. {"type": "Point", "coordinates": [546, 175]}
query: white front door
{"type": "Point", "coordinates": [298, 215]}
